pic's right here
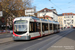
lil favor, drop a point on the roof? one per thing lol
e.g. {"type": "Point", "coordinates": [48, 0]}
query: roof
{"type": "Point", "coordinates": [46, 17]}
{"type": "Point", "coordinates": [68, 14]}
{"type": "Point", "coordinates": [45, 9]}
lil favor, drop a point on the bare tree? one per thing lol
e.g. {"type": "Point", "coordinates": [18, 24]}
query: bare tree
{"type": "Point", "coordinates": [14, 7]}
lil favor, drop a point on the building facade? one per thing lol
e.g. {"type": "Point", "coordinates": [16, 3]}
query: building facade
{"type": "Point", "coordinates": [69, 19]}
{"type": "Point", "coordinates": [60, 20]}
{"type": "Point", "coordinates": [47, 17]}
{"type": "Point", "coordinates": [49, 12]}
{"type": "Point", "coordinates": [66, 20]}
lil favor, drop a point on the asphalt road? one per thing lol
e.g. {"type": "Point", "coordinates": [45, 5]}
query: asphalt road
{"type": "Point", "coordinates": [9, 35]}
{"type": "Point", "coordinates": [36, 44]}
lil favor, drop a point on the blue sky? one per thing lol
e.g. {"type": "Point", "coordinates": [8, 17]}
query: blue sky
{"type": "Point", "coordinates": [62, 6]}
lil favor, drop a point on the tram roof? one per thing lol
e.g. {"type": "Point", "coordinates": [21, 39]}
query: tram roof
{"type": "Point", "coordinates": [31, 17]}
{"type": "Point", "coordinates": [44, 20]}
{"type": "Point", "coordinates": [35, 18]}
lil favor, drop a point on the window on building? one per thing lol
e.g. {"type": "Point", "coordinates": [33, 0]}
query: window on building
{"type": "Point", "coordinates": [68, 23]}
{"type": "Point", "coordinates": [58, 26]}
{"type": "Point", "coordinates": [72, 21]}
{"type": "Point", "coordinates": [61, 22]}
{"type": "Point", "coordinates": [72, 16]}
{"type": "Point", "coordinates": [68, 20]}
{"type": "Point", "coordinates": [65, 21]}
{"type": "Point", "coordinates": [66, 17]}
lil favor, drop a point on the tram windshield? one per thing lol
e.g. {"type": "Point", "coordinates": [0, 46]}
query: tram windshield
{"type": "Point", "coordinates": [21, 22]}
{"type": "Point", "coordinates": [20, 26]}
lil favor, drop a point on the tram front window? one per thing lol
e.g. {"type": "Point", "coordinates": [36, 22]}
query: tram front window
{"type": "Point", "coordinates": [20, 27]}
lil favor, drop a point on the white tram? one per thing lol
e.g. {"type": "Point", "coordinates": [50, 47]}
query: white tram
{"type": "Point", "coordinates": [26, 28]}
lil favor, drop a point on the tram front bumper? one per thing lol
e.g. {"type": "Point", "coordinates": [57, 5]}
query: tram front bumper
{"type": "Point", "coordinates": [21, 37]}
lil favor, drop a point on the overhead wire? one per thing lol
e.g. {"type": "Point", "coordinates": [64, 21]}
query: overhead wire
{"type": "Point", "coordinates": [71, 1]}
{"type": "Point", "coordinates": [55, 5]}
{"type": "Point", "coordinates": [60, 8]}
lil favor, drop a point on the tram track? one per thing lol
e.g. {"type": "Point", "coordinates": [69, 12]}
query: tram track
{"type": "Point", "coordinates": [51, 40]}
{"type": "Point", "coordinates": [36, 43]}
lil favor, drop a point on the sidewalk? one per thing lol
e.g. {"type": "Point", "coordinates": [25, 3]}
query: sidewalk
{"type": "Point", "coordinates": [4, 31]}
{"type": "Point", "coordinates": [66, 43]}
{"type": "Point", "coordinates": [65, 29]}
{"type": "Point", "coordinates": [4, 40]}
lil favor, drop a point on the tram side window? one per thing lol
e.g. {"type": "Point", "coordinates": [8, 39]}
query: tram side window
{"type": "Point", "coordinates": [53, 26]}
{"type": "Point", "coordinates": [46, 26]}
{"type": "Point", "coordinates": [50, 26]}
{"type": "Point", "coordinates": [58, 26]}
{"type": "Point", "coordinates": [43, 27]}
{"type": "Point", "coordinates": [34, 27]}
{"type": "Point", "coordinates": [38, 28]}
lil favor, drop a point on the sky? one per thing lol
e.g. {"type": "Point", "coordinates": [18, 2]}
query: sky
{"type": "Point", "coordinates": [61, 6]}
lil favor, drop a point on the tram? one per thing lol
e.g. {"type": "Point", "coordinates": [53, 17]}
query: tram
{"type": "Point", "coordinates": [26, 28]}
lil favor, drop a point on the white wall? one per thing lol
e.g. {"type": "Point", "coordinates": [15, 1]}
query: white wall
{"type": "Point", "coordinates": [40, 14]}
{"type": "Point", "coordinates": [70, 20]}
{"type": "Point", "coordinates": [74, 21]}
{"type": "Point", "coordinates": [51, 14]}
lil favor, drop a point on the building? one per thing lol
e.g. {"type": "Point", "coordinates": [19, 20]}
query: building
{"type": "Point", "coordinates": [49, 12]}
{"type": "Point", "coordinates": [47, 17]}
{"type": "Point", "coordinates": [66, 20]}
{"type": "Point", "coordinates": [60, 20]}
{"type": "Point", "coordinates": [69, 19]}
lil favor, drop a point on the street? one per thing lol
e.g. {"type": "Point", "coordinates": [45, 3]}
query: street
{"type": "Point", "coordinates": [42, 43]}
{"type": "Point", "coordinates": [37, 25]}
